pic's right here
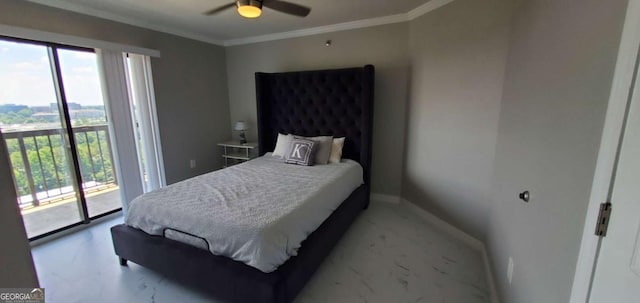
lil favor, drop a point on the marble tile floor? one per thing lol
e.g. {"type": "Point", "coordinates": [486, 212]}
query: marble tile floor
{"type": "Point", "coordinates": [390, 254]}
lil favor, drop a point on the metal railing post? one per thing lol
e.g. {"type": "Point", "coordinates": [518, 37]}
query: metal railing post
{"type": "Point", "coordinates": [27, 169]}
{"type": "Point", "coordinates": [104, 170]}
{"type": "Point", "coordinates": [13, 169]}
{"type": "Point", "coordinates": [93, 168]}
{"type": "Point", "coordinates": [55, 163]}
{"type": "Point", "coordinates": [110, 149]}
{"type": "Point", "coordinates": [44, 178]}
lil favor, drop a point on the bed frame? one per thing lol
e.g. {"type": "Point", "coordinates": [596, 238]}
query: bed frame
{"type": "Point", "coordinates": [309, 103]}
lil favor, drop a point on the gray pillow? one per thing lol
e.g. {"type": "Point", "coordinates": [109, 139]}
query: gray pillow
{"type": "Point", "coordinates": [323, 147]}
{"type": "Point", "coordinates": [301, 152]}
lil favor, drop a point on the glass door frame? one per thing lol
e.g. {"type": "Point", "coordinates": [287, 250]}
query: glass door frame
{"type": "Point", "coordinates": [67, 129]}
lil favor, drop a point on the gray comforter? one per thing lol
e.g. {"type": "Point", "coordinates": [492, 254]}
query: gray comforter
{"type": "Point", "coordinates": [257, 212]}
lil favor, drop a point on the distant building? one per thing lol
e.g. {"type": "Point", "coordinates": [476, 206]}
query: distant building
{"type": "Point", "coordinates": [47, 117]}
{"type": "Point", "coordinates": [71, 105]}
{"type": "Point", "coordinates": [43, 109]}
{"type": "Point", "coordinates": [7, 108]}
{"type": "Point", "coordinates": [74, 106]}
{"type": "Point", "coordinates": [87, 114]}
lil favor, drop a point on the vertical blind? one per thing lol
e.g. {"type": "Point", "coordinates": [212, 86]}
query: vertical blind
{"type": "Point", "coordinates": [115, 91]}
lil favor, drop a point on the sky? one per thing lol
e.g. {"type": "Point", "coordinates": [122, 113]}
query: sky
{"type": "Point", "coordinates": [25, 75]}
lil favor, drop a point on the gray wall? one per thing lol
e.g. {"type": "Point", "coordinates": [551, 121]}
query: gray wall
{"type": "Point", "coordinates": [189, 79]}
{"type": "Point", "coordinates": [383, 46]}
{"type": "Point", "coordinates": [16, 264]}
{"type": "Point", "coordinates": [458, 56]}
{"type": "Point", "coordinates": [561, 60]}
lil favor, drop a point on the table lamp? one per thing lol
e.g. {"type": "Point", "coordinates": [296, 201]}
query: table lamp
{"type": "Point", "coordinates": [241, 126]}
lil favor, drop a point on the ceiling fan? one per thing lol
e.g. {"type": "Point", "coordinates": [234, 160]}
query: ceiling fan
{"type": "Point", "coordinates": [253, 8]}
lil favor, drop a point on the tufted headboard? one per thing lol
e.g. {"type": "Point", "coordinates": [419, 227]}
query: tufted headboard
{"type": "Point", "coordinates": [336, 102]}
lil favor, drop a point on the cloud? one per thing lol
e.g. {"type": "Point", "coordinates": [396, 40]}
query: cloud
{"type": "Point", "coordinates": [27, 67]}
{"type": "Point", "coordinates": [84, 70]}
{"type": "Point", "coordinates": [25, 76]}
{"type": "Point", "coordinates": [26, 84]}
{"type": "Point", "coordinates": [84, 56]}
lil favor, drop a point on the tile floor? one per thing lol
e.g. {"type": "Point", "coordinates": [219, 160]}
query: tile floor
{"type": "Point", "coordinates": [389, 254]}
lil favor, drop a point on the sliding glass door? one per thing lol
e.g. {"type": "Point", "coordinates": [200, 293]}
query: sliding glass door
{"type": "Point", "coordinates": [33, 127]}
{"type": "Point", "coordinates": [79, 71]}
{"type": "Point", "coordinates": [52, 115]}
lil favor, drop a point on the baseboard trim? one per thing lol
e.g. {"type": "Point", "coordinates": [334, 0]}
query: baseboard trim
{"type": "Point", "coordinates": [443, 225]}
{"type": "Point", "coordinates": [493, 291]}
{"type": "Point", "coordinates": [385, 198]}
{"type": "Point", "coordinates": [451, 230]}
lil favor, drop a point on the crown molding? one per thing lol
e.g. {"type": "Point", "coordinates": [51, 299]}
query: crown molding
{"type": "Point", "coordinates": [320, 29]}
{"type": "Point", "coordinates": [398, 18]}
{"type": "Point", "coordinates": [33, 34]}
{"type": "Point", "coordinates": [427, 7]}
{"type": "Point", "coordinates": [83, 9]}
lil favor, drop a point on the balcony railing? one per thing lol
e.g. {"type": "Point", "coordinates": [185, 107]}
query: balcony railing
{"type": "Point", "coordinates": [41, 167]}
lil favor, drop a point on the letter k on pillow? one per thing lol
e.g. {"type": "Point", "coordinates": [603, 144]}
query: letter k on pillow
{"type": "Point", "coordinates": [301, 152]}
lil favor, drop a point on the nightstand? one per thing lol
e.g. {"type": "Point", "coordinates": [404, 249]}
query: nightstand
{"type": "Point", "coordinates": [235, 153]}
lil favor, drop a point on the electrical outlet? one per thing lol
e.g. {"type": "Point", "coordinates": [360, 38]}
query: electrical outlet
{"type": "Point", "coordinates": [510, 270]}
{"type": "Point", "coordinates": [192, 163]}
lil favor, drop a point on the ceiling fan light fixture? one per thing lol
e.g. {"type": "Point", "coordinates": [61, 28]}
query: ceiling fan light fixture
{"type": "Point", "coordinates": [249, 8]}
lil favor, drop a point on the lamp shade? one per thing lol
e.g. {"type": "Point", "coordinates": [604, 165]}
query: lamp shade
{"type": "Point", "coordinates": [241, 125]}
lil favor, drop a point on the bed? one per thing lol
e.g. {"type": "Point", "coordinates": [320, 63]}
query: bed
{"type": "Point", "coordinates": [309, 103]}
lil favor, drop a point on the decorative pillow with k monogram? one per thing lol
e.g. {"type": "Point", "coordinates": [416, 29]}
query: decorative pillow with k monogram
{"type": "Point", "coordinates": [301, 152]}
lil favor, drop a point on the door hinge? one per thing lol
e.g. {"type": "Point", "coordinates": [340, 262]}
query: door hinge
{"type": "Point", "coordinates": [603, 219]}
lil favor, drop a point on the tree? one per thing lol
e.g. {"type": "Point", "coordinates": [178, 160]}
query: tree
{"type": "Point", "coordinates": [49, 162]}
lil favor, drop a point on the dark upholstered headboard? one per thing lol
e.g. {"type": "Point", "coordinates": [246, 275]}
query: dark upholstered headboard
{"type": "Point", "coordinates": [336, 102]}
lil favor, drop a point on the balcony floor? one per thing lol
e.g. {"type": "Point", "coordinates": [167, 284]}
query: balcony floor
{"type": "Point", "coordinates": [48, 217]}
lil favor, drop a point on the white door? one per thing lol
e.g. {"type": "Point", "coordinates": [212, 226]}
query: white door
{"type": "Point", "coordinates": [617, 274]}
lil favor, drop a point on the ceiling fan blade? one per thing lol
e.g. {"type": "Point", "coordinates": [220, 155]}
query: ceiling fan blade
{"type": "Point", "coordinates": [287, 7]}
{"type": "Point", "coordinates": [219, 9]}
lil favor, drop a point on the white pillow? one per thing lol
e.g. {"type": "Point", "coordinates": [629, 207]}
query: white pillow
{"type": "Point", "coordinates": [282, 145]}
{"type": "Point", "coordinates": [336, 150]}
